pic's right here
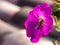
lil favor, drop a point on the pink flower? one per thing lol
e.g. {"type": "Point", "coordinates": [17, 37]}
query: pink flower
{"type": "Point", "coordinates": [39, 22]}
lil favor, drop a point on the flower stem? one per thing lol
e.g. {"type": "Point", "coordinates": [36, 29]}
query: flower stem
{"type": "Point", "coordinates": [54, 42]}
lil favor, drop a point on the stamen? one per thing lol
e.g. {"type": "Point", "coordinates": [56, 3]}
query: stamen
{"type": "Point", "coordinates": [40, 24]}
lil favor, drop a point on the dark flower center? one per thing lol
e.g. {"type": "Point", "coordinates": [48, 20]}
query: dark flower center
{"type": "Point", "coordinates": [41, 23]}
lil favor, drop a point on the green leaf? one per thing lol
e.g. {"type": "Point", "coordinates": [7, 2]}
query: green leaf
{"type": "Point", "coordinates": [57, 12]}
{"type": "Point", "coordinates": [57, 30]}
{"type": "Point", "coordinates": [57, 23]}
{"type": "Point", "coordinates": [58, 5]}
{"type": "Point", "coordinates": [58, 1]}
{"type": "Point", "coordinates": [54, 42]}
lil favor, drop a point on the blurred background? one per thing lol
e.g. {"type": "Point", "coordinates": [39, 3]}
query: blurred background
{"type": "Point", "coordinates": [13, 14]}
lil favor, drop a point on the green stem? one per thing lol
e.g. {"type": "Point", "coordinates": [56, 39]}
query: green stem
{"type": "Point", "coordinates": [54, 42]}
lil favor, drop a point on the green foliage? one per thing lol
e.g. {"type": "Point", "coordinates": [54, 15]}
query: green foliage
{"type": "Point", "coordinates": [58, 1]}
{"type": "Point", "coordinates": [58, 5]}
{"type": "Point", "coordinates": [56, 14]}
{"type": "Point", "coordinates": [57, 22]}
{"type": "Point", "coordinates": [54, 42]}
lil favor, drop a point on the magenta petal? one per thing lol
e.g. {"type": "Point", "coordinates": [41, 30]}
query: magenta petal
{"type": "Point", "coordinates": [31, 28]}
{"type": "Point", "coordinates": [37, 37]}
{"type": "Point", "coordinates": [46, 8]}
{"type": "Point", "coordinates": [30, 18]}
{"type": "Point", "coordinates": [48, 24]}
{"type": "Point", "coordinates": [30, 24]}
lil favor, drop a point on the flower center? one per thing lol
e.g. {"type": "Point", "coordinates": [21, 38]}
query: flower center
{"type": "Point", "coordinates": [41, 23]}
